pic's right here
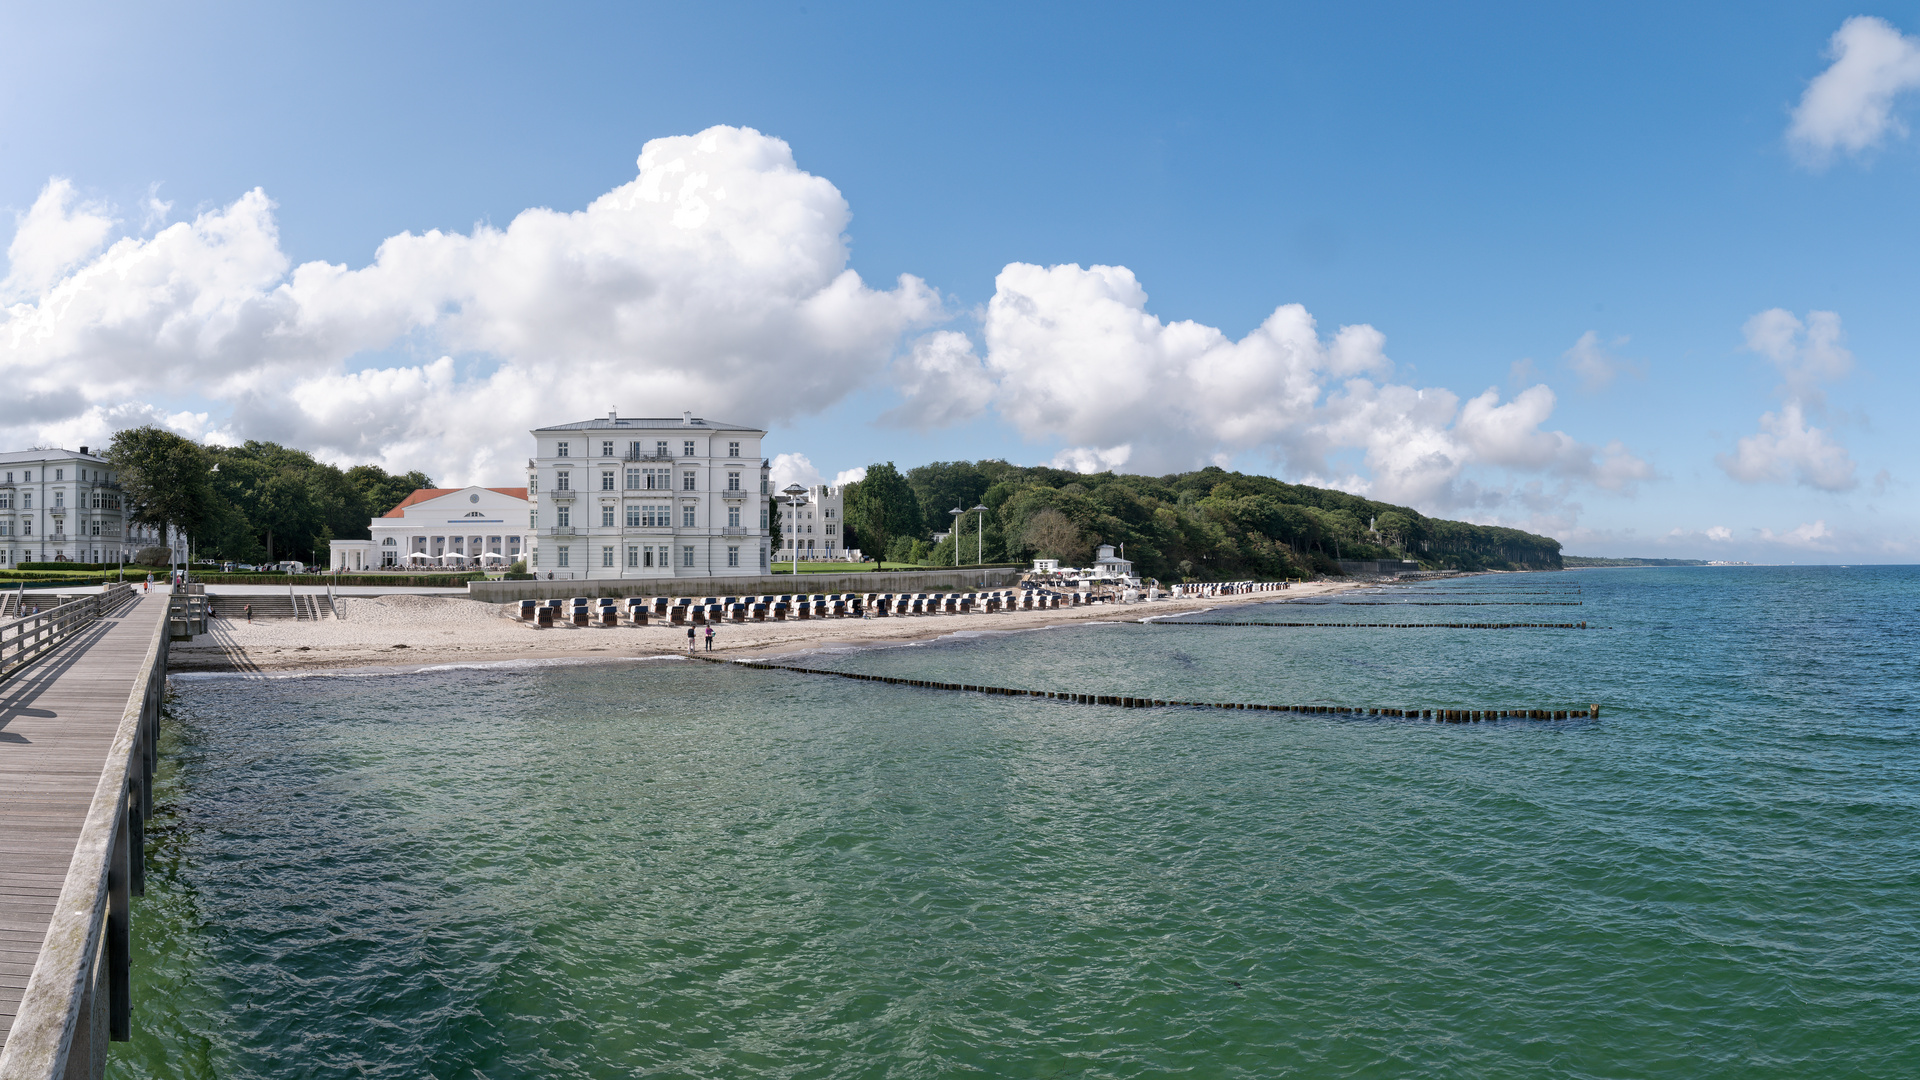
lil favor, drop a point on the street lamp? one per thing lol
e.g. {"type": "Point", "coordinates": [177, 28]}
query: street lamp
{"type": "Point", "coordinates": [796, 498]}
{"type": "Point", "coordinates": [956, 512]}
{"type": "Point", "coordinates": [980, 536]}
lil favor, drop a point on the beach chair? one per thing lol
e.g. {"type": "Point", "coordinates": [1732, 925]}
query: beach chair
{"type": "Point", "coordinates": [544, 616]}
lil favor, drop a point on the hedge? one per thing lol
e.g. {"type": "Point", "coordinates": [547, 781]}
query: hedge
{"type": "Point", "coordinates": [398, 581]}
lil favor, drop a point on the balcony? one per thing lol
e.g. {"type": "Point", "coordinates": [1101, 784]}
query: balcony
{"type": "Point", "coordinates": [559, 530]}
{"type": "Point", "coordinates": [647, 457]}
{"type": "Point", "coordinates": [562, 495]}
{"type": "Point", "coordinates": [736, 530]}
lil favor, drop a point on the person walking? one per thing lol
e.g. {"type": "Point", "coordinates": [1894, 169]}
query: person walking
{"type": "Point", "coordinates": [249, 612]}
{"type": "Point", "coordinates": [709, 639]}
{"type": "Point", "coordinates": [689, 638]}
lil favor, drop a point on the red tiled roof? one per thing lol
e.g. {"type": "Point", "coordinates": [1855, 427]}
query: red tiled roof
{"type": "Point", "coordinates": [423, 494]}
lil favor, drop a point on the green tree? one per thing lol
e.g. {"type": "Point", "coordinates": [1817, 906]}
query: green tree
{"type": "Point", "coordinates": [881, 509]}
{"type": "Point", "coordinates": [164, 477]}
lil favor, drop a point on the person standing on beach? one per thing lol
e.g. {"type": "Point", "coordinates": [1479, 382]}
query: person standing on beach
{"type": "Point", "coordinates": [689, 638]}
{"type": "Point", "coordinates": [709, 639]}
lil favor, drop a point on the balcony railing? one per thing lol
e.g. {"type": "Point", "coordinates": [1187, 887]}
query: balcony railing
{"type": "Point", "coordinates": [559, 530]}
{"type": "Point", "coordinates": [646, 457]}
{"type": "Point", "coordinates": [735, 530]}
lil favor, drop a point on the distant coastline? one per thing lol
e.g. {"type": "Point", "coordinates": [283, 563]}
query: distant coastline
{"type": "Point", "coordinates": [1578, 562]}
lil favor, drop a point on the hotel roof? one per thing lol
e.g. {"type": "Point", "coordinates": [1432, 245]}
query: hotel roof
{"type": "Point", "coordinates": [421, 495]}
{"type": "Point", "coordinates": [649, 423]}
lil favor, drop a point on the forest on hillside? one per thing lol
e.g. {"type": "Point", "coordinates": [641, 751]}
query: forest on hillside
{"type": "Point", "coordinates": [1208, 525]}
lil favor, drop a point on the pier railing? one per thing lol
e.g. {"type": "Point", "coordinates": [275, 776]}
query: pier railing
{"type": "Point", "coordinates": [31, 636]}
{"type": "Point", "coordinates": [79, 996]}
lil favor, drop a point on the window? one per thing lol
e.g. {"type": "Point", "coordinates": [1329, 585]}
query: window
{"type": "Point", "coordinates": [686, 448]}
{"type": "Point", "coordinates": [533, 519]}
{"type": "Point", "coordinates": [827, 513]}
{"type": "Point", "coordinates": [686, 517]}
{"type": "Point", "coordinates": [763, 556]}
{"type": "Point", "coordinates": [733, 518]}
{"type": "Point", "coordinates": [606, 516]}
{"type": "Point", "coordinates": [6, 500]}
{"type": "Point", "coordinates": [389, 542]}
{"type": "Point", "coordinates": [563, 481]}
{"type": "Point", "coordinates": [832, 528]}
{"type": "Point", "coordinates": [733, 449]}
{"type": "Point", "coordinates": [763, 485]}
{"type": "Point", "coordinates": [564, 514]}
{"type": "Point", "coordinates": [633, 450]}
{"type": "Point", "coordinates": [96, 528]}
{"type": "Point", "coordinates": [733, 556]}
{"type": "Point", "coordinates": [61, 474]}
{"type": "Point", "coordinates": [733, 481]}
{"type": "Point", "coordinates": [562, 553]}
{"type": "Point", "coordinates": [59, 498]}
{"type": "Point", "coordinates": [560, 450]}
{"type": "Point", "coordinates": [633, 521]}
{"type": "Point", "coordinates": [606, 480]}
{"type": "Point", "coordinates": [606, 556]}
{"type": "Point", "coordinates": [633, 555]}
{"type": "Point", "coordinates": [26, 500]}
{"type": "Point", "coordinates": [633, 479]}
{"type": "Point", "coordinates": [686, 555]}
{"type": "Point", "coordinates": [96, 500]}
{"type": "Point", "coordinates": [763, 518]}
{"type": "Point", "coordinates": [657, 516]}
{"type": "Point", "coordinates": [533, 483]}
{"type": "Point", "coordinates": [686, 482]}
{"type": "Point", "coordinates": [606, 448]}
{"type": "Point", "coordinates": [660, 448]}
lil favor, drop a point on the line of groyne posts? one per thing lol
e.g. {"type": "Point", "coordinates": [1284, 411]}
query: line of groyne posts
{"type": "Point", "coordinates": [1442, 716]}
{"type": "Point", "coordinates": [686, 610]}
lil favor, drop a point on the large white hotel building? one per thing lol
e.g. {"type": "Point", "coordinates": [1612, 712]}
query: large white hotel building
{"type": "Point", "coordinates": [62, 506]}
{"type": "Point", "coordinates": [648, 497]}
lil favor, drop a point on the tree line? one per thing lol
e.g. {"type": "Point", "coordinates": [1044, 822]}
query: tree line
{"type": "Point", "coordinates": [1207, 525]}
{"type": "Point", "coordinates": [259, 502]}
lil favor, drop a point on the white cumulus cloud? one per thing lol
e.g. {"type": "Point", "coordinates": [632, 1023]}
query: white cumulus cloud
{"type": "Point", "coordinates": [1850, 106]}
{"type": "Point", "coordinates": [786, 470]}
{"type": "Point", "coordinates": [717, 280]}
{"type": "Point", "coordinates": [1074, 355]}
{"type": "Point", "coordinates": [1788, 448]}
{"type": "Point", "coordinates": [941, 381]}
{"type": "Point", "coordinates": [1596, 366]}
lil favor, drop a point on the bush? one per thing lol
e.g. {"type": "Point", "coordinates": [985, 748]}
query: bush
{"type": "Point", "coordinates": [153, 556]}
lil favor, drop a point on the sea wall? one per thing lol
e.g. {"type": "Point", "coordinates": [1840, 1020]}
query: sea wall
{"type": "Point", "coordinates": [502, 592]}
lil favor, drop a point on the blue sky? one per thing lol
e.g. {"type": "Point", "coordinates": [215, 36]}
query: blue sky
{"type": "Point", "coordinates": [1483, 187]}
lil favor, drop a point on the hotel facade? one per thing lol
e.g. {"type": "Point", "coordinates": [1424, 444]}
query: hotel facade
{"type": "Point", "coordinates": [814, 532]}
{"type": "Point", "coordinates": [469, 527]}
{"type": "Point", "coordinates": [62, 506]}
{"type": "Point", "coordinates": [633, 497]}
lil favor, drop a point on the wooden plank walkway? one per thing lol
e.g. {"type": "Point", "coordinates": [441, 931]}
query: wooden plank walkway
{"type": "Point", "coordinates": [58, 719]}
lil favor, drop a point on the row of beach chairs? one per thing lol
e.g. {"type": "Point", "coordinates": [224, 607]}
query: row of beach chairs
{"type": "Point", "coordinates": [686, 610]}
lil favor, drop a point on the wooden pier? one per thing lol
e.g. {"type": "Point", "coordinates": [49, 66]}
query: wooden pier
{"type": "Point", "coordinates": [77, 743]}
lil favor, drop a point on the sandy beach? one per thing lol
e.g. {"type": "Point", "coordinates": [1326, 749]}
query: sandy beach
{"type": "Point", "coordinates": [422, 630]}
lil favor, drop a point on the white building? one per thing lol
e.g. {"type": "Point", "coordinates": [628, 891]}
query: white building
{"type": "Point", "coordinates": [468, 528]}
{"type": "Point", "coordinates": [61, 506]}
{"type": "Point", "coordinates": [1107, 564]}
{"type": "Point", "coordinates": [648, 497]}
{"type": "Point", "coordinates": [816, 532]}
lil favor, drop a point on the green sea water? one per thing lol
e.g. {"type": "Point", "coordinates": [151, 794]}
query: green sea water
{"type": "Point", "coordinates": [668, 868]}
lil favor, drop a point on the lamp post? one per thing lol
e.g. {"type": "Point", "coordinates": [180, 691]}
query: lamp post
{"type": "Point", "coordinates": [956, 512]}
{"type": "Point", "coordinates": [796, 498]}
{"type": "Point", "coordinates": [980, 536]}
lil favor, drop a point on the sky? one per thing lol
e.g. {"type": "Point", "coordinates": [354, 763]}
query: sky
{"type": "Point", "coordinates": [1638, 277]}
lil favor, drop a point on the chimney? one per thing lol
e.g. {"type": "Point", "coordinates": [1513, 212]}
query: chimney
{"type": "Point", "coordinates": [83, 451]}
{"type": "Point", "coordinates": [613, 415]}
{"type": "Point", "coordinates": [686, 419]}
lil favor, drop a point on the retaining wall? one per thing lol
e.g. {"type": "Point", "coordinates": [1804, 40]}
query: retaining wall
{"type": "Point", "coordinates": [503, 592]}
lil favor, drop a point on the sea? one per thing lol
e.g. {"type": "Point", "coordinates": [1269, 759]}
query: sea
{"type": "Point", "coordinates": [667, 868]}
